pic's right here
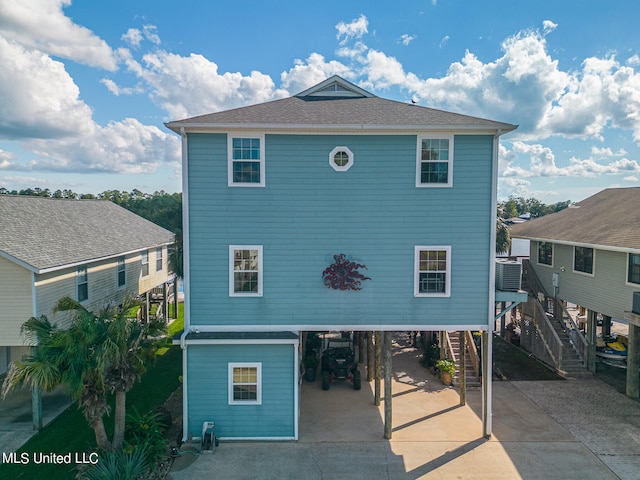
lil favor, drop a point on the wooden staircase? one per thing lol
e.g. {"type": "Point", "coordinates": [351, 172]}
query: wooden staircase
{"type": "Point", "coordinates": [570, 364]}
{"type": "Point", "coordinates": [471, 364]}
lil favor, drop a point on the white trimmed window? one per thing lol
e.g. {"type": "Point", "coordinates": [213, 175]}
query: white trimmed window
{"type": "Point", "coordinates": [245, 270]}
{"type": "Point", "coordinates": [246, 160]}
{"type": "Point", "coordinates": [245, 384]}
{"type": "Point", "coordinates": [434, 165]}
{"type": "Point", "coordinates": [82, 283]}
{"type": "Point", "coordinates": [633, 273]}
{"type": "Point", "coordinates": [122, 272]}
{"type": "Point", "coordinates": [545, 253]}
{"type": "Point", "coordinates": [583, 260]}
{"type": "Point", "coordinates": [432, 272]}
{"type": "Point", "coordinates": [144, 263]}
{"type": "Point", "coordinates": [159, 259]}
{"type": "Point", "coordinates": [341, 159]}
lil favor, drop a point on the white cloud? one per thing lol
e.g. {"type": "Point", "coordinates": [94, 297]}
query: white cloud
{"type": "Point", "coordinates": [311, 72]}
{"type": "Point", "coordinates": [120, 147]}
{"type": "Point", "coordinates": [151, 34]}
{"type": "Point", "coordinates": [542, 163]}
{"type": "Point", "coordinates": [42, 25]}
{"type": "Point", "coordinates": [444, 41]}
{"type": "Point", "coordinates": [354, 29]}
{"type": "Point", "coordinates": [406, 39]}
{"type": "Point", "coordinates": [40, 99]}
{"type": "Point", "coordinates": [631, 178]}
{"type": "Point", "coordinates": [607, 152]}
{"type": "Point", "coordinates": [525, 86]}
{"type": "Point", "coordinates": [548, 26]}
{"type": "Point", "coordinates": [133, 37]}
{"type": "Point", "coordinates": [188, 86]}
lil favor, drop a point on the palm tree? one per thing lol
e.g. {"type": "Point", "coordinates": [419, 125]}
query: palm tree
{"type": "Point", "coordinates": [121, 345]}
{"type": "Point", "coordinates": [65, 358]}
{"type": "Point", "coordinates": [97, 354]}
{"type": "Point", "coordinates": [126, 349]}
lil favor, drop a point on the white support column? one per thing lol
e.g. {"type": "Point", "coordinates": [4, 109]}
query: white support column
{"type": "Point", "coordinates": [487, 362]}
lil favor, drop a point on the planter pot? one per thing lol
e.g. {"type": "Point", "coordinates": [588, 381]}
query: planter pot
{"type": "Point", "coordinates": [310, 374]}
{"type": "Point", "coordinates": [445, 378]}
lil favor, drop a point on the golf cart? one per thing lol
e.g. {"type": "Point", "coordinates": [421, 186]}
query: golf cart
{"type": "Point", "coordinates": [339, 363]}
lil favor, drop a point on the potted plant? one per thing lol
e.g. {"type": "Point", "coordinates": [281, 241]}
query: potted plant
{"type": "Point", "coordinates": [310, 363]}
{"type": "Point", "coordinates": [446, 370]}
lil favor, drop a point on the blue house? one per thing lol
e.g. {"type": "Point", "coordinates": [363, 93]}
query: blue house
{"type": "Point", "coordinates": [333, 209]}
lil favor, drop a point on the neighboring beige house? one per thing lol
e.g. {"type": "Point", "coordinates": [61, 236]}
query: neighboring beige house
{"type": "Point", "coordinates": [589, 254]}
{"type": "Point", "coordinates": [91, 250]}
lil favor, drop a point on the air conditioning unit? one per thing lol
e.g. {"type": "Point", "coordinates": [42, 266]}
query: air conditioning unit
{"type": "Point", "coordinates": [636, 303]}
{"type": "Point", "coordinates": [508, 275]}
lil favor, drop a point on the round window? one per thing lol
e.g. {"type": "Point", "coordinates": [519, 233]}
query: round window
{"type": "Point", "coordinates": [341, 159]}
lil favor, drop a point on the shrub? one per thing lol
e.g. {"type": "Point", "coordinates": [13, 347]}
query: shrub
{"type": "Point", "coordinates": [117, 465]}
{"type": "Point", "coordinates": [145, 433]}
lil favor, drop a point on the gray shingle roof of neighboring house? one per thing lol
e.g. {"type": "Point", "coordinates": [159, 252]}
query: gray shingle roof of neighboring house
{"type": "Point", "coordinates": [337, 103]}
{"type": "Point", "coordinates": [610, 218]}
{"type": "Point", "coordinates": [45, 234]}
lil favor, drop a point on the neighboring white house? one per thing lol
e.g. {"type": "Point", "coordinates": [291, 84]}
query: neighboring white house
{"type": "Point", "coordinates": [91, 250]}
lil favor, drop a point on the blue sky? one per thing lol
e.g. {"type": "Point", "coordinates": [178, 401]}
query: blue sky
{"type": "Point", "coordinates": [86, 86]}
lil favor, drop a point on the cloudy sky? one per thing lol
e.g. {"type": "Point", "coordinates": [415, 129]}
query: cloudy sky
{"type": "Point", "coordinates": [86, 86]}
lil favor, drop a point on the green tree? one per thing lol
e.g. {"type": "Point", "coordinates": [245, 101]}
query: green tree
{"type": "Point", "coordinates": [65, 358]}
{"type": "Point", "coordinates": [97, 354]}
{"type": "Point", "coordinates": [122, 346]}
{"type": "Point", "coordinates": [503, 237]}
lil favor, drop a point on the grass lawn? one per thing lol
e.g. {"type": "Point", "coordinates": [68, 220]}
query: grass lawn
{"type": "Point", "coordinates": [516, 364]}
{"type": "Point", "coordinates": [70, 431]}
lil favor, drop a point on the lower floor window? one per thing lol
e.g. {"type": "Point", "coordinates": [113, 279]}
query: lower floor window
{"type": "Point", "coordinates": [432, 272]}
{"type": "Point", "coordinates": [634, 268]}
{"type": "Point", "coordinates": [245, 383]}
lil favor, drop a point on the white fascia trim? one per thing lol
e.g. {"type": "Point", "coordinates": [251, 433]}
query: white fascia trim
{"type": "Point", "coordinates": [186, 281]}
{"type": "Point", "coordinates": [243, 342]}
{"type": "Point", "coordinates": [296, 392]}
{"type": "Point", "coordinates": [595, 246]}
{"type": "Point", "coordinates": [255, 439]}
{"type": "Point", "coordinates": [33, 269]}
{"type": "Point", "coordinates": [322, 129]}
{"type": "Point", "coordinates": [399, 327]}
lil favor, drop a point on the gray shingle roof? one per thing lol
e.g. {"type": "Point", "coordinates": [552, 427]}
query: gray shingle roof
{"type": "Point", "coordinates": [46, 233]}
{"type": "Point", "coordinates": [610, 218]}
{"type": "Point", "coordinates": [352, 112]}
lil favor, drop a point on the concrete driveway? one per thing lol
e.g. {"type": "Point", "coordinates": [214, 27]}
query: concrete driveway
{"type": "Point", "coordinates": [541, 430]}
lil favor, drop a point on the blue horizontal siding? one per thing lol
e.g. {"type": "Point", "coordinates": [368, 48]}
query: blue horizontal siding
{"type": "Point", "coordinates": [207, 383]}
{"type": "Point", "coordinates": [307, 212]}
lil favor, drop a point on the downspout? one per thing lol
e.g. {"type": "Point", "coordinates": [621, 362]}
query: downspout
{"type": "Point", "coordinates": [487, 364]}
{"type": "Point", "coordinates": [185, 284]}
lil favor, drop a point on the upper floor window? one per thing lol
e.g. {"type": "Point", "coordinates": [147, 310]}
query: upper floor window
{"type": "Point", "coordinates": [432, 272]}
{"type": "Point", "coordinates": [633, 276]}
{"type": "Point", "coordinates": [144, 263]}
{"type": "Point", "coordinates": [434, 161]}
{"type": "Point", "coordinates": [82, 283]}
{"type": "Point", "coordinates": [245, 270]}
{"type": "Point", "coordinates": [246, 160]}
{"type": "Point", "coordinates": [545, 253]}
{"type": "Point", "coordinates": [159, 259]}
{"type": "Point", "coordinates": [583, 260]}
{"type": "Point", "coordinates": [245, 383]}
{"type": "Point", "coordinates": [341, 159]}
{"type": "Point", "coordinates": [122, 273]}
